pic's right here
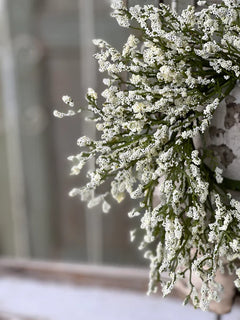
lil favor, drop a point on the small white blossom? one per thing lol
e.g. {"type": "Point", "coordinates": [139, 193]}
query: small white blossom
{"type": "Point", "coordinates": [58, 114]}
{"type": "Point", "coordinates": [84, 141]}
{"type": "Point", "coordinates": [68, 100]}
{"type": "Point", "coordinates": [132, 235]}
{"type": "Point", "coordinates": [201, 3]}
{"type": "Point", "coordinates": [106, 206]}
{"type": "Point", "coordinates": [161, 93]}
{"type": "Point", "coordinates": [218, 173]}
{"type": "Point", "coordinates": [91, 93]}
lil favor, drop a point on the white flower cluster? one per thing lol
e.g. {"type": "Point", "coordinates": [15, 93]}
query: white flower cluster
{"type": "Point", "coordinates": [71, 112]}
{"type": "Point", "coordinates": [161, 91]}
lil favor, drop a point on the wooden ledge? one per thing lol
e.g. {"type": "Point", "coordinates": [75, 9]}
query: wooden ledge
{"type": "Point", "coordinates": [80, 274]}
{"type": "Point", "coordinates": [120, 278]}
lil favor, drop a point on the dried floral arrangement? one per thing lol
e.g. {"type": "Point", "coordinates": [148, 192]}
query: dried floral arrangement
{"type": "Point", "coordinates": [161, 92]}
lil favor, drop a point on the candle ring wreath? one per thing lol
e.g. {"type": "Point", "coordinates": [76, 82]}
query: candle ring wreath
{"type": "Point", "coordinates": [161, 93]}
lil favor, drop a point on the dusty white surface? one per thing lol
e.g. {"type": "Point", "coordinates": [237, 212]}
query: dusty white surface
{"type": "Point", "coordinates": [52, 301]}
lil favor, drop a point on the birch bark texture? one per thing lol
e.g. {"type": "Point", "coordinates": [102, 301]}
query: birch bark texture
{"type": "Point", "coordinates": [223, 134]}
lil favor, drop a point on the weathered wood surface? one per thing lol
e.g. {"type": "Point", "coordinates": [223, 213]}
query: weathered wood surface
{"type": "Point", "coordinates": [124, 278]}
{"type": "Point", "coordinates": [56, 301]}
{"type": "Point", "coordinates": [14, 316]}
{"type": "Point", "coordinates": [90, 275]}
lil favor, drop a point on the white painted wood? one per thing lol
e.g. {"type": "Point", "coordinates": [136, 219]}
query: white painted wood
{"type": "Point", "coordinates": [53, 301]}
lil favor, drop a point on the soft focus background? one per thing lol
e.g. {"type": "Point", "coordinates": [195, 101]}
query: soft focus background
{"type": "Point", "coordinates": [46, 52]}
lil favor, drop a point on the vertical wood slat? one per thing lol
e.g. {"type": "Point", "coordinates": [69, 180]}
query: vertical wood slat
{"type": "Point", "coordinates": [58, 29]}
{"type": "Point", "coordinates": [12, 130]}
{"type": "Point", "coordinates": [88, 79]}
{"type": "Point", "coordinates": [33, 122]}
{"type": "Point", "coordinates": [116, 225]}
{"type": "Point", "coordinates": [6, 227]}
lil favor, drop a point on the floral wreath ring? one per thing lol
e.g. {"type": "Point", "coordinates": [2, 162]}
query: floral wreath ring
{"type": "Point", "coordinates": [161, 92]}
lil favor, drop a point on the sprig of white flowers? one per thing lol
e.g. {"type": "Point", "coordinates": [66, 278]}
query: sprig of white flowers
{"type": "Point", "coordinates": [178, 68]}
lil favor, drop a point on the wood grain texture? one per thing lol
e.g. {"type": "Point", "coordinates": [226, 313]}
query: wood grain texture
{"type": "Point", "coordinates": [92, 275]}
{"type": "Point", "coordinates": [14, 316]}
{"type": "Point", "coordinates": [123, 278]}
